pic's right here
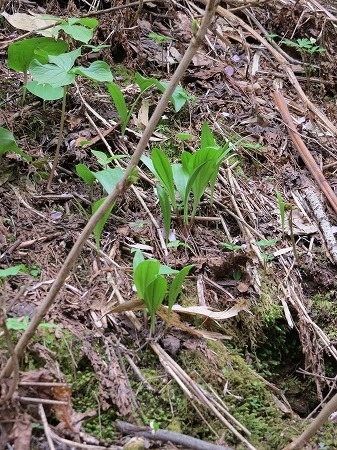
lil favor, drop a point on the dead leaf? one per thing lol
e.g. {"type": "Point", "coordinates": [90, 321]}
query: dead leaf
{"type": "Point", "coordinates": [300, 225]}
{"type": "Point", "coordinates": [22, 432]}
{"type": "Point", "coordinates": [211, 314]}
{"type": "Point", "coordinates": [63, 412]}
{"type": "Point", "coordinates": [242, 287]}
{"type": "Point", "coordinates": [29, 22]}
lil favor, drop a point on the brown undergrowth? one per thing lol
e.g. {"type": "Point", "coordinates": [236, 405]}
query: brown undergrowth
{"type": "Point", "coordinates": [273, 362]}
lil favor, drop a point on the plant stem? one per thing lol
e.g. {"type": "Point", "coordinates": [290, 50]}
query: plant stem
{"type": "Point", "coordinates": [119, 189]}
{"type": "Point", "coordinates": [59, 141]}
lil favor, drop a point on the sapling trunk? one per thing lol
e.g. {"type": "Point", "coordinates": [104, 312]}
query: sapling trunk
{"type": "Point", "coordinates": [59, 141]}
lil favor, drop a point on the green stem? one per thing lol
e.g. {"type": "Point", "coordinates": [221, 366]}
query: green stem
{"type": "Point", "coordinates": [59, 141]}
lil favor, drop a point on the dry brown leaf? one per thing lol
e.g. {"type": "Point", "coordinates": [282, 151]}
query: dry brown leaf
{"type": "Point", "coordinates": [29, 22]}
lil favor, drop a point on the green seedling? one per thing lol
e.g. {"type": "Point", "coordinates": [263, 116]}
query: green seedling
{"type": "Point", "coordinates": [195, 172]}
{"type": "Point", "coordinates": [108, 178]}
{"type": "Point", "coordinates": [178, 98]}
{"type": "Point", "coordinates": [281, 206]}
{"type": "Point", "coordinates": [266, 242]}
{"type": "Point", "coordinates": [231, 247]}
{"type": "Point", "coordinates": [177, 244]}
{"type": "Point", "coordinates": [50, 81]}
{"type": "Point", "coordinates": [22, 53]}
{"type": "Point", "coordinates": [161, 40]}
{"type": "Point", "coordinates": [152, 285]}
{"type": "Point", "coordinates": [13, 270]}
{"type": "Point", "coordinates": [81, 30]}
{"type": "Point", "coordinates": [304, 45]}
{"type": "Point", "coordinates": [103, 159]}
{"type": "Point", "coordinates": [8, 144]}
{"type": "Point", "coordinates": [21, 324]}
{"type": "Point", "coordinates": [184, 136]}
{"type": "Point", "coordinates": [52, 70]}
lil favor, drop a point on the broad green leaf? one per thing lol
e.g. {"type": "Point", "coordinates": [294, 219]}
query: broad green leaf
{"type": "Point", "coordinates": [103, 159]}
{"type": "Point", "coordinates": [87, 176]}
{"type": "Point", "coordinates": [207, 139]}
{"type": "Point", "coordinates": [144, 274]}
{"type": "Point", "coordinates": [8, 144]}
{"type": "Point", "coordinates": [20, 54]}
{"type": "Point", "coordinates": [166, 270]}
{"type": "Point", "coordinates": [144, 83]}
{"type": "Point", "coordinates": [45, 91]}
{"type": "Point", "coordinates": [98, 71]}
{"type": "Point", "coordinates": [175, 288]}
{"type": "Point", "coordinates": [154, 296]}
{"type": "Point", "coordinates": [137, 259]}
{"type": "Point", "coordinates": [149, 164]}
{"type": "Point", "coordinates": [119, 102]}
{"type": "Point", "coordinates": [13, 323]}
{"type": "Point", "coordinates": [166, 209]}
{"type": "Point", "coordinates": [50, 74]}
{"type": "Point", "coordinates": [185, 160]}
{"type": "Point", "coordinates": [100, 225]}
{"type": "Point", "coordinates": [85, 21]}
{"type": "Point", "coordinates": [96, 48]}
{"type": "Point", "coordinates": [65, 60]}
{"type": "Point", "coordinates": [164, 170]}
{"type": "Point", "coordinates": [109, 178]}
{"type": "Point", "coordinates": [184, 136]}
{"type": "Point", "coordinates": [179, 96]}
{"type": "Point", "coordinates": [77, 32]}
{"type": "Point", "coordinates": [180, 177]}
{"type": "Point", "coordinates": [266, 242]}
{"type": "Point", "coordinates": [200, 183]}
{"type": "Point", "coordinates": [13, 270]}
{"type": "Point", "coordinates": [191, 181]}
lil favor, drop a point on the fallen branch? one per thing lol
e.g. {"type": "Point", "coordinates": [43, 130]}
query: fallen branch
{"type": "Point", "coordinates": [167, 436]}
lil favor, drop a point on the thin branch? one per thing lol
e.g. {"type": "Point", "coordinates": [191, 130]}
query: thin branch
{"type": "Point", "coordinates": [168, 436]}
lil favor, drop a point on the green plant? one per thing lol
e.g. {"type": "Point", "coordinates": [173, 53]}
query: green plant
{"type": "Point", "coordinates": [161, 40]}
{"type": "Point", "coordinates": [13, 270]}
{"type": "Point", "coordinates": [8, 144]}
{"type": "Point", "coordinates": [304, 45]}
{"type": "Point", "coordinates": [108, 178]}
{"type": "Point", "coordinates": [22, 53]}
{"type": "Point", "coordinates": [281, 206]}
{"type": "Point", "coordinates": [178, 98]}
{"type": "Point", "coordinates": [152, 286]}
{"type": "Point", "coordinates": [52, 71]}
{"type": "Point", "coordinates": [195, 172]}
{"type": "Point", "coordinates": [21, 324]}
{"type": "Point", "coordinates": [232, 247]}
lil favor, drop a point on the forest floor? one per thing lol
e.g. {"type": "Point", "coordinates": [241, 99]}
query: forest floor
{"type": "Point", "coordinates": [256, 362]}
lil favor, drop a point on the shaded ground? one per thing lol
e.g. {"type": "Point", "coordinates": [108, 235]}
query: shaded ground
{"type": "Point", "coordinates": [284, 328]}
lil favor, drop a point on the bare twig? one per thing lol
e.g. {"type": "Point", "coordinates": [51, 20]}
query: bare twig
{"type": "Point", "coordinates": [46, 427]}
{"type": "Point", "coordinates": [168, 436]}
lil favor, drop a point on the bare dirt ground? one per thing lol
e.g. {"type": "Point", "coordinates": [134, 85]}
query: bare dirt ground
{"type": "Point", "coordinates": [265, 250]}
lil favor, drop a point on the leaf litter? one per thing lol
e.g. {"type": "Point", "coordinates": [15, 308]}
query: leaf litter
{"type": "Point", "coordinates": [231, 79]}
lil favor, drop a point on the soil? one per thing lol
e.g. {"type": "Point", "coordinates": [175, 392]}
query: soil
{"type": "Point", "coordinates": [262, 247]}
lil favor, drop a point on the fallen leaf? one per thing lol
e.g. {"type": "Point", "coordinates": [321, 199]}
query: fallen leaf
{"type": "Point", "coordinates": [29, 22]}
